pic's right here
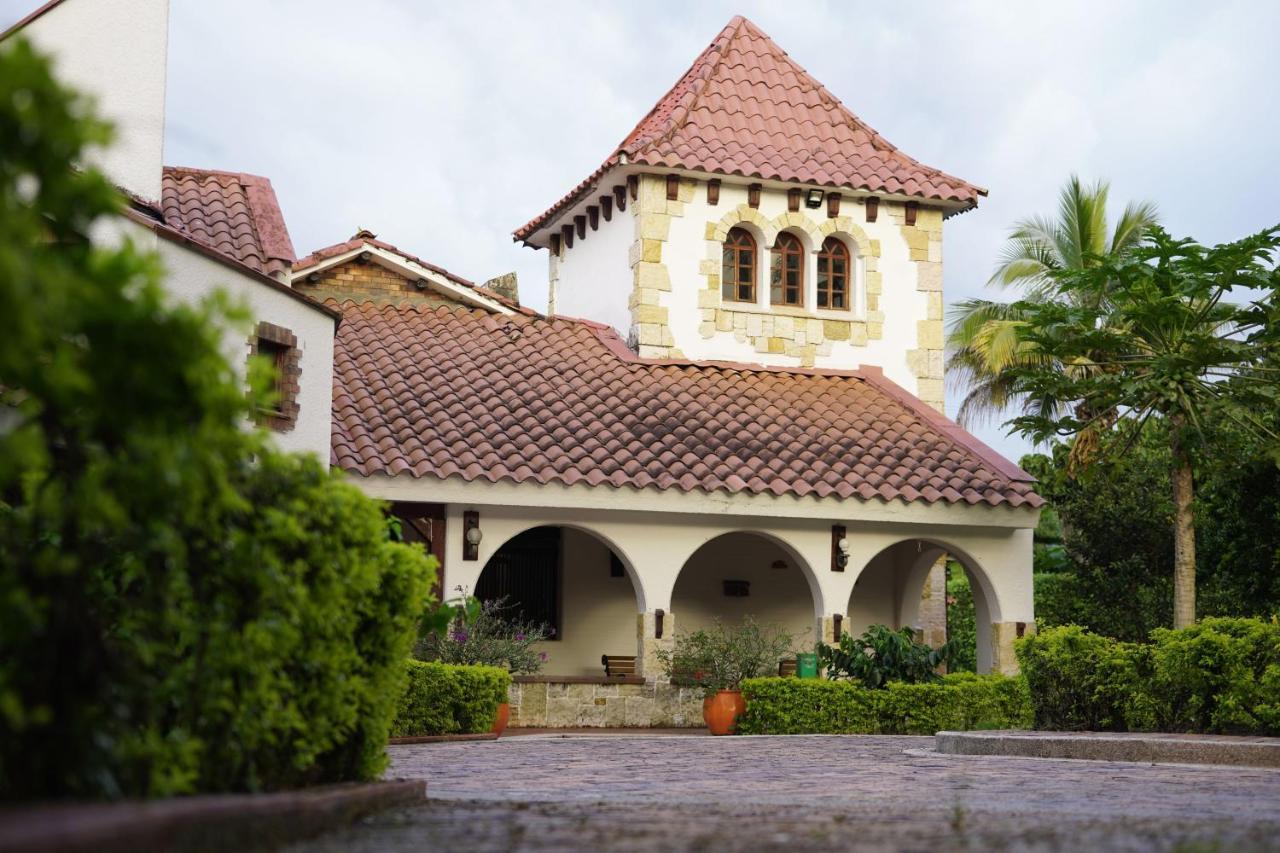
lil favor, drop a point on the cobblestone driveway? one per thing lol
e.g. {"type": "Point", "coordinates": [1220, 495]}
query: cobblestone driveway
{"type": "Point", "coordinates": [807, 793]}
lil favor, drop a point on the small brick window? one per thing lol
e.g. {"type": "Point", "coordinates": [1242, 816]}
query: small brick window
{"type": "Point", "coordinates": [281, 346]}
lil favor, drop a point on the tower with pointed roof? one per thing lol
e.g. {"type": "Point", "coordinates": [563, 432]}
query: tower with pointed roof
{"type": "Point", "coordinates": [752, 217]}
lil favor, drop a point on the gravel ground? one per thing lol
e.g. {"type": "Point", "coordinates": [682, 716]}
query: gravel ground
{"type": "Point", "coordinates": [806, 793]}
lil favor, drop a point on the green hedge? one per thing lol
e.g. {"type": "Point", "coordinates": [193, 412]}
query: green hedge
{"type": "Point", "coordinates": [1220, 676]}
{"type": "Point", "coordinates": [812, 706]}
{"type": "Point", "coordinates": [444, 699]}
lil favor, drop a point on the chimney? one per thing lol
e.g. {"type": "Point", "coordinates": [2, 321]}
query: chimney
{"type": "Point", "coordinates": [506, 286]}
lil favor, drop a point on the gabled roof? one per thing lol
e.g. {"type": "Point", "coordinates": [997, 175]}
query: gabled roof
{"type": "Point", "coordinates": [466, 291]}
{"type": "Point", "coordinates": [437, 392]}
{"type": "Point", "coordinates": [746, 108]}
{"type": "Point", "coordinates": [234, 213]}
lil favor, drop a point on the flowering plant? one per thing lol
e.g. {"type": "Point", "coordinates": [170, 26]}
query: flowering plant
{"type": "Point", "coordinates": [490, 635]}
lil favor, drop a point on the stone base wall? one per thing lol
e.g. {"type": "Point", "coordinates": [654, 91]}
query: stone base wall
{"type": "Point", "coordinates": [650, 705]}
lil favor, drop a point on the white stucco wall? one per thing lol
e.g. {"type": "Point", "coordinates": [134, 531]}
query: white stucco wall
{"type": "Point", "coordinates": [116, 51]}
{"type": "Point", "coordinates": [191, 276]}
{"type": "Point", "coordinates": [593, 279]}
{"type": "Point", "coordinates": [901, 303]}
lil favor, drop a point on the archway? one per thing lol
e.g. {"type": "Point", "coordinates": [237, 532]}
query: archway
{"type": "Point", "coordinates": [744, 574]}
{"type": "Point", "coordinates": [889, 591]}
{"type": "Point", "coordinates": [574, 581]}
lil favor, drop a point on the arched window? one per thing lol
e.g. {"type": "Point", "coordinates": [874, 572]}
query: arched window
{"type": "Point", "coordinates": [833, 276]}
{"type": "Point", "coordinates": [738, 271]}
{"type": "Point", "coordinates": [786, 286]}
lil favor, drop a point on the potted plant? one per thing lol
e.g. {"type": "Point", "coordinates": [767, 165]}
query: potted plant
{"type": "Point", "coordinates": [718, 659]}
{"type": "Point", "coordinates": [485, 634]}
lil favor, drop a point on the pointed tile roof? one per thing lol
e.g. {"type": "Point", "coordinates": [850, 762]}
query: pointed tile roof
{"type": "Point", "coordinates": [747, 108]}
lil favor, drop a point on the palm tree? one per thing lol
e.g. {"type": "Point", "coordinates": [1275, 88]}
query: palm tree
{"type": "Point", "coordinates": [983, 338]}
{"type": "Point", "coordinates": [1160, 340]}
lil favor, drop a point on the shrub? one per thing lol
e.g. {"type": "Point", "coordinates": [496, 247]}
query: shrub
{"type": "Point", "coordinates": [961, 620]}
{"type": "Point", "coordinates": [1080, 681]}
{"type": "Point", "coordinates": [443, 699]}
{"type": "Point", "coordinates": [1219, 676]}
{"type": "Point", "coordinates": [811, 706]}
{"type": "Point", "coordinates": [720, 657]}
{"type": "Point", "coordinates": [883, 655]}
{"type": "Point", "coordinates": [182, 607]}
{"type": "Point", "coordinates": [494, 636]}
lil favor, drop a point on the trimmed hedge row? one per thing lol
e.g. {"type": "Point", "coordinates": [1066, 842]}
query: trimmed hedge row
{"type": "Point", "coordinates": [1219, 676]}
{"type": "Point", "coordinates": [811, 706]}
{"type": "Point", "coordinates": [446, 699]}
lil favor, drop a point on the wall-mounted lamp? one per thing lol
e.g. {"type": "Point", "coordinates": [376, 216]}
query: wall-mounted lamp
{"type": "Point", "coordinates": [364, 257]}
{"type": "Point", "coordinates": [839, 548]}
{"type": "Point", "coordinates": [657, 623]}
{"type": "Point", "coordinates": [813, 199]}
{"type": "Point", "coordinates": [778, 564]}
{"type": "Point", "coordinates": [312, 278]}
{"type": "Point", "coordinates": [471, 535]}
{"type": "Point", "coordinates": [837, 622]}
{"type": "Point", "coordinates": [420, 284]}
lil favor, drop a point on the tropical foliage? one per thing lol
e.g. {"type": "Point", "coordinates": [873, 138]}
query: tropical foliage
{"type": "Point", "coordinates": [984, 341]}
{"type": "Point", "coordinates": [882, 655]}
{"type": "Point", "coordinates": [1152, 335]}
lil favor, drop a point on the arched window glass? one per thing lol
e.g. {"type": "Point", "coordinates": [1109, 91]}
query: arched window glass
{"type": "Point", "coordinates": [738, 271]}
{"type": "Point", "coordinates": [833, 276]}
{"type": "Point", "coordinates": [786, 283]}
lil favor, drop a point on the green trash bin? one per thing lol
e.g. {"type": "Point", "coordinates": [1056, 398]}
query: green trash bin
{"type": "Point", "coordinates": [807, 665]}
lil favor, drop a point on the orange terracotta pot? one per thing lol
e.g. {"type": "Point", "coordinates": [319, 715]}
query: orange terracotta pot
{"type": "Point", "coordinates": [722, 710]}
{"type": "Point", "coordinates": [504, 717]}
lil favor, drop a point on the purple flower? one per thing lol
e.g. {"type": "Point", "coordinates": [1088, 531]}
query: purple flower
{"type": "Point", "coordinates": [542, 656]}
{"type": "Point", "coordinates": [520, 638]}
{"type": "Point", "coordinates": [459, 636]}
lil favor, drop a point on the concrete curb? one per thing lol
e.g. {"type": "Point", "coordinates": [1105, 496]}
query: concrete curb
{"type": "Point", "coordinates": [223, 822]}
{"type": "Point", "coordinates": [1108, 746]}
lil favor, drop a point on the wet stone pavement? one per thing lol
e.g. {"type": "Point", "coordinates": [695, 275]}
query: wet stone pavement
{"type": "Point", "coordinates": [805, 793]}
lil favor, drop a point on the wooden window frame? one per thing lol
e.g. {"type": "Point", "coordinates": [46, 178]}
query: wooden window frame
{"type": "Point", "coordinates": [743, 245]}
{"type": "Point", "coordinates": [781, 292]}
{"type": "Point", "coordinates": [833, 249]}
{"type": "Point", "coordinates": [282, 346]}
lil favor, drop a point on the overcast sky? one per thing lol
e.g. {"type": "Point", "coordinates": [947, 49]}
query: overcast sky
{"type": "Point", "coordinates": [442, 127]}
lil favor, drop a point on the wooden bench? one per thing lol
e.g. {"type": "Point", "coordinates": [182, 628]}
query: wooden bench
{"type": "Point", "coordinates": [787, 668]}
{"type": "Point", "coordinates": [618, 666]}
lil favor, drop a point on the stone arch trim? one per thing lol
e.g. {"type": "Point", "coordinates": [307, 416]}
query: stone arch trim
{"type": "Point", "coordinates": [628, 565]}
{"type": "Point", "coordinates": [718, 231]}
{"type": "Point", "coordinates": [801, 223]}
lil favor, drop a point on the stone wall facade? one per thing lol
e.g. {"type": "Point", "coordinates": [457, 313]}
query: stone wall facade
{"type": "Point", "coordinates": [650, 705]}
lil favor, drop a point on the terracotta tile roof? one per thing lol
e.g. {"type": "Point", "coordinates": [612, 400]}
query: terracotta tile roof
{"type": "Point", "coordinates": [746, 108]}
{"type": "Point", "coordinates": [444, 393]}
{"type": "Point", "coordinates": [234, 213]}
{"type": "Point", "coordinates": [367, 238]}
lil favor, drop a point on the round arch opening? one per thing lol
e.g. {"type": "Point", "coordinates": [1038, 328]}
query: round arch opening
{"type": "Point", "coordinates": [909, 585]}
{"type": "Point", "coordinates": [742, 574]}
{"type": "Point", "coordinates": [575, 582]}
